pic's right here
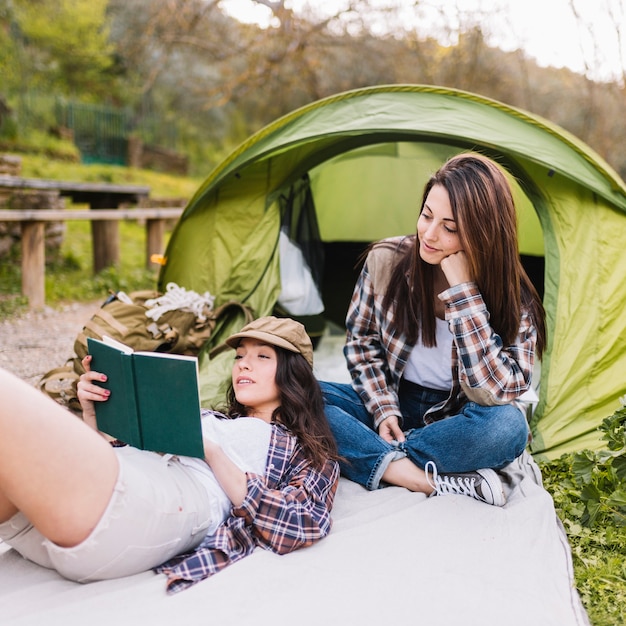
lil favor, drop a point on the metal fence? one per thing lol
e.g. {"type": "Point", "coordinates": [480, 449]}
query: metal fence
{"type": "Point", "coordinates": [100, 132]}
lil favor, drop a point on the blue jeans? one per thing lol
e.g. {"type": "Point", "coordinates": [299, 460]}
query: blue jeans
{"type": "Point", "coordinates": [478, 437]}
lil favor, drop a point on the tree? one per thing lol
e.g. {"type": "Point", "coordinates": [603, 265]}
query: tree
{"type": "Point", "coordinates": [603, 101]}
{"type": "Point", "coordinates": [66, 45]}
{"type": "Point", "coordinates": [188, 69]}
{"type": "Point", "coordinates": [9, 49]}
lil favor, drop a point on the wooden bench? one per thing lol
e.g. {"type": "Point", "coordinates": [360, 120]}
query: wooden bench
{"type": "Point", "coordinates": [33, 241]}
{"type": "Point", "coordinates": [98, 196]}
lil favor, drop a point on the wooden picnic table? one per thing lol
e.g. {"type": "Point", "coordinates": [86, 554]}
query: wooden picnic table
{"type": "Point", "coordinates": [98, 196]}
{"type": "Point", "coordinates": [104, 214]}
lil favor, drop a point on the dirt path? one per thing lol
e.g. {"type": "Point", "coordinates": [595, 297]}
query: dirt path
{"type": "Point", "coordinates": [36, 342]}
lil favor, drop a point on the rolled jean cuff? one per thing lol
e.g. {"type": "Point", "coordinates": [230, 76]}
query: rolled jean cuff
{"type": "Point", "coordinates": [376, 476]}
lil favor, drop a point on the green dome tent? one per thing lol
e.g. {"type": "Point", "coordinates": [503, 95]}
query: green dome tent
{"type": "Point", "coordinates": [356, 163]}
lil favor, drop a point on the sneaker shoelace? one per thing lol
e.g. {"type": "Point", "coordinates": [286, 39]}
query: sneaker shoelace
{"type": "Point", "coordinates": [456, 485]}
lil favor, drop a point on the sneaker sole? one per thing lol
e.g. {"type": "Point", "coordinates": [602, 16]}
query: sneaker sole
{"type": "Point", "coordinates": [495, 486]}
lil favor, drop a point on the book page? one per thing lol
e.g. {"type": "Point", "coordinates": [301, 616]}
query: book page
{"type": "Point", "coordinates": [167, 355]}
{"type": "Point", "coordinates": [114, 343]}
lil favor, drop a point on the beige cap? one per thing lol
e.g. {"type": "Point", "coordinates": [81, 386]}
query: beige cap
{"type": "Point", "coordinates": [277, 331]}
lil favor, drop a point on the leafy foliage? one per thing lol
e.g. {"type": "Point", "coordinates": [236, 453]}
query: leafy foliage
{"type": "Point", "coordinates": [189, 71]}
{"type": "Point", "coordinates": [600, 476]}
{"type": "Point", "coordinates": [588, 489]}
{"type": "Point", "coordinates": [66, 43]}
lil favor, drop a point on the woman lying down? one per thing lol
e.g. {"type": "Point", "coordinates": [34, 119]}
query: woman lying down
{"type": "Point", "coordinates": [72, 502]}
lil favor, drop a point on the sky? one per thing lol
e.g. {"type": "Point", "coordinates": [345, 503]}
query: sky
{"type": "Point", "coordinates": [546, 30]}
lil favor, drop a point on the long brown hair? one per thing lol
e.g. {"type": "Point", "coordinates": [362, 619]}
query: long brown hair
{"type": "Point", "coordinates": [301, 407]}
{"type": "Point", "coordinates": [484, 211]}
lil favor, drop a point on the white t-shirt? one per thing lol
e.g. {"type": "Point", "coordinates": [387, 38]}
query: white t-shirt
{"type": "Point", "coordinates": [431, 367]}
{"type": "Point", "coordinates": [245, 441]}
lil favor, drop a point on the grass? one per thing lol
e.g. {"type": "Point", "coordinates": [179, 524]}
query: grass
{"type": "Point", "coordinates": [598, 552]}
{"type": "Point", "coordinates": [161, 185]}
{"type": "Point", "coordinates": [589, 493]}
{"type": "Point", "coordinates": [70, 277]}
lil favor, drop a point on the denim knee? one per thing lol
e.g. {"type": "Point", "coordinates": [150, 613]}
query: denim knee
{"type": "Point", "coordinates": [505, 431]}
{"type": "Point", "coordinates": [344, 397]}
{"type": "Point", "coordinates": [477, 437]}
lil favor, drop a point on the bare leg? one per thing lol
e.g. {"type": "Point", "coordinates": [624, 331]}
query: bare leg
{"type": "Point", "coordinates": [7, 508]}
{"type": "Point", "coordinates": [55, 469]}
{"type": "Point", "coordinates": [404, 473]}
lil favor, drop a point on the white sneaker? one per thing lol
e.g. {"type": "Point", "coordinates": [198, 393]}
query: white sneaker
{"type": "Point", "coordinates": [483, 484]}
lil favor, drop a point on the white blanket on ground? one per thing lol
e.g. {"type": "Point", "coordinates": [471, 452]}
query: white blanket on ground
{"type": "Point", "coordinates": [392, 557]}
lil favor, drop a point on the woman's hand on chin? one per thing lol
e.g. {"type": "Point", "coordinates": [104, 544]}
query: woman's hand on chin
{"type": "Point", "coordinates": [456, 268]}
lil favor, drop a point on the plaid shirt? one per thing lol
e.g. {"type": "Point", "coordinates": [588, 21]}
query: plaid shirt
{"type": "Point", "coordinates": [483, 370]}
{"type": "Point", "coordinates": [286, 509]}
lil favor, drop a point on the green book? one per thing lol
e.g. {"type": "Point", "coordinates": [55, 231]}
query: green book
{"type": "Point", "coordinates": [155, 399]}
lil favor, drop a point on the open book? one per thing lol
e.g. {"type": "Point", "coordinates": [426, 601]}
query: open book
{"type": "Point", "coordinates": [155, 399]}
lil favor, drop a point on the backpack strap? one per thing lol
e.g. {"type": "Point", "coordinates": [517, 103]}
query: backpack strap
{"type": "Point", "coordinates": [60, 385]}
{"type": "Point", "coordinates": [98, 330]}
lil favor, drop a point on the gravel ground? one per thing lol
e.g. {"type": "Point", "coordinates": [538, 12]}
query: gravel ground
{"type": "Point", "coordinates": [35, 342]}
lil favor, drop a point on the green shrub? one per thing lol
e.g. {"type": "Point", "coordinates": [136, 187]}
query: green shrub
{"type": "Point", "coordinates": [588, 489]}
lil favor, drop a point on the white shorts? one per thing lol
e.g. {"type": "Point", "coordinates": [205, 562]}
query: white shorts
{"type": "Point", "coordinates": [158, 510]}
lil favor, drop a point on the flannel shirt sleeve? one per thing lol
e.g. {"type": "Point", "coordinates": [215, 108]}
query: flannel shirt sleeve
{"type": "Point", "coordinates": [489, 372]}
{"type": "Point", "coordinates": [366, 355]}
{"type": "Point", "coordinates": [295, 515]}
{"type": "Point", "coordinates": [231, 543]}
